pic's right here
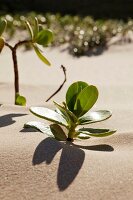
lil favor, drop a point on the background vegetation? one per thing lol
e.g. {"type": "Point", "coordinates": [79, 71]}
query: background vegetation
{"type": "Point", "coordinates": [80, 35]}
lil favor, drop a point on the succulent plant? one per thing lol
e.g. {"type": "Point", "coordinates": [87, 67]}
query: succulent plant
{"type": "Point", "coordinates": [80, 98]}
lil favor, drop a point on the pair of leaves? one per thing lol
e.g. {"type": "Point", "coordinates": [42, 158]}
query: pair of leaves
{"type": "Point", "coordinates": [20, 100]}
{"type": "Point", "coordinates": [55, 131]}
{"type": "Point", "coordinates": [80, 97]}
{"type": "Point", "coordinates": [62, 119]}
{"type": "Point", "coordinates": [58, 118]}
{"type": "Point", "coordinates": [43, 37]}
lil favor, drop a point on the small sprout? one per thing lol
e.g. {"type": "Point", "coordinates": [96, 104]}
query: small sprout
{"type": "Point", "coordinates": [80, 98]}
{"type": "Point", "coordinates": [43, 37]}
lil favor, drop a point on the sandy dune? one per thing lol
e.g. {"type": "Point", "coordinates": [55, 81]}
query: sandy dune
{"type": "Point", "coordinates": [33, 166]}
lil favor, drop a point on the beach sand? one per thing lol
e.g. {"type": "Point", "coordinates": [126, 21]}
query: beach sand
{"type": "Point", "coordinates": [34, 166]}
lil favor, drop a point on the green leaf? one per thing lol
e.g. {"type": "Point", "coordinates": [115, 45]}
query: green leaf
{"type": "Point", "coordinates": [58, 132]}
{"type": "Point", "coordinates": [20, 100]}
{"type": "Point", "coordinates": [2, 43]}
{"type": "Point", "coordinates": [94, 116]}
{"type": "Point", "coordinates": [85, 100]}
{"type": "Point", "coordinates": [63, 112]}
{"type": "Point", "coordinates": [29, 29]}
{"type": "Point", "coordinates": [41, 56]}
{"type": "Point", "coordinates": [72, 93]}
{"type": "Point", "coordinates": [43, 128]}
{"type": "Point", "coordinates": [53, 130]}
{"type": "Point", "coordinates": [96, 132]}
{"type": "Point", "coordinates": [67, 114]}
{"type": "Point", "coordinates": [49, 115]}
{"type": "Point", "coordinates": [36, 28]}
{"type": "Point", "coordinates": [44, 37]}
{"type": "Point", "coordinates": [3, 24]}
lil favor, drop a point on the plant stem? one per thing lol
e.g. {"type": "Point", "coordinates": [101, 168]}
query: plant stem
{"type": "Point", "coordinates": [60, 87]}
{"type": "Point", "coordinates": [71, 133]}
{"type": "Point", "coordinates": [16, 77]}
{"type": "Point", "coordinates": [15, 63]}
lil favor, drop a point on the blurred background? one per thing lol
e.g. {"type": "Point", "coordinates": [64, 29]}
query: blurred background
{"type": "Point", "coordinates": [85, 27]}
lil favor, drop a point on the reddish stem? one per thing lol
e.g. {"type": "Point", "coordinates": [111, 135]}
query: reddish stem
{"type": "Point", "coordinates": [15, 63]}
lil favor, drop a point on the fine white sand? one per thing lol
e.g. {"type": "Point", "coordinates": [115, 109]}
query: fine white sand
{"type": "Point", "coordinates": [35, 167]}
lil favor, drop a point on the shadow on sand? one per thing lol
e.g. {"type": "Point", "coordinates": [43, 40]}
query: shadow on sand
{"type": "Point", "coordinates": [71, 160]}
{"type": "Point", "coordinates": [7, 120]}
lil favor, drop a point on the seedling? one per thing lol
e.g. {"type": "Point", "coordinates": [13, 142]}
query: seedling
{"type": "Point", "coordinates": [38, 36]}
{"type": "Point", "coordinates": [80, 98]}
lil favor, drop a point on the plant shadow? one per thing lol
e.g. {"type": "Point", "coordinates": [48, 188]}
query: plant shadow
{"type": "Point", "coordinates": [26, 130]}
{"type": "Point", "coordinates": [71, 160]}
{"type": "Point", "coordinates": [7, 120]}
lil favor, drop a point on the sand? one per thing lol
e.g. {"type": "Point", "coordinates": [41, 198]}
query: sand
{"type": "Point", "coordinates": [34, 166]}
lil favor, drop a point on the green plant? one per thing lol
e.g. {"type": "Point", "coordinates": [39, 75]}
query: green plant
{"type": "Point", "coordinates": [38, 36]}
{"type": "Point", "coordinates": [80, 98]}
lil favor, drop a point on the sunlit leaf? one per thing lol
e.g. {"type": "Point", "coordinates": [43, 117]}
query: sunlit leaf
{"type": "Point", "coordinates": [39, 126]}
{"type": "Point", "coordinates": [53, 130]}
{"type": "Point", "coordinates": [20, 100]}
{"type": "Point", "coordinates": [72, 93]}
{"type": "Point", "coordinates": [94, 116]}
{"type": "Point", "coordinates": [96, 132]}
{"type": "Point", "coordinates": [2, 43]}
{"type": "Point", "coordinates": [44, 37]}
{"type": "Point", "coordinates": [3, 24]}
{"type": "Point", "coordinates": [36, 27]}
{"type": "Point", "coordinates": [30, 30]}
{"type": "Point", "coordinates": [41, 56]}
{"type": "Point", "coordinates": [85, 100]}
{"type": "Point", "coordinates": [49, 115]}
